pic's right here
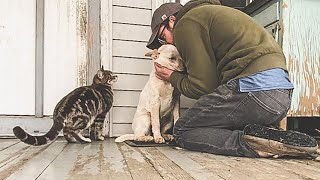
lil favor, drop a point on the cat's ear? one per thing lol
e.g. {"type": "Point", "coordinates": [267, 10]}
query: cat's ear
{"type": "Point", "coordinates": [102, 69]}
{"type": "Point", "coordinates": [100, 74]}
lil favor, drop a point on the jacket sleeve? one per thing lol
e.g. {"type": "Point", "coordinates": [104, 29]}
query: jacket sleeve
{"type": "Point", "coordinates": [193, 43]}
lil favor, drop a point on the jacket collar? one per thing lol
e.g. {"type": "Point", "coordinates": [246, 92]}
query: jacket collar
{"type": "Point", "coordinates": [194, 3]}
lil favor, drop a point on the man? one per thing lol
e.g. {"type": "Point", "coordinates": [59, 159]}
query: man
{"type": "Point", "coordinates": [237, 72]}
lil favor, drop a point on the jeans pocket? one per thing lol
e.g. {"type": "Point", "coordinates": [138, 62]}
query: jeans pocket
{"type": "Point", "coordinates": [259, 108]}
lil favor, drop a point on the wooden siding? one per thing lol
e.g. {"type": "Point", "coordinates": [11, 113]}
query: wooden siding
{"type": "Point", "coordinates": [301, 44]}
{"type": "Point", "coordinates": [130, 63]}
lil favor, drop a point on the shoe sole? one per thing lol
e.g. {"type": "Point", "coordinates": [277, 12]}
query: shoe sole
{"type": "Point", "coordinates": [278, 148]}
{"type": "Point", "coordinates": [289, 138]}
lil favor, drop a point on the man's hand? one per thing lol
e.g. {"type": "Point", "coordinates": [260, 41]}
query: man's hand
{"type": "Point", "coordinates": [162, 72]}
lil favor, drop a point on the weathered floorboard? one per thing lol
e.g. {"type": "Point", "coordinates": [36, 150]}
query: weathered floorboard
{"type": "Point", "coordinates": [193, 168]}
{"type": "Point", "coordinates": [109, 160]}
{"type": "Point", "coordinates": [38, 161]}
{"type": "Point", "coordinates": [165, 167]}
{"type": "Point", "coordinates": [138, 166]}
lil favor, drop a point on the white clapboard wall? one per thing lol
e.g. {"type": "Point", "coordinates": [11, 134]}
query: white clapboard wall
{"type": "Point", "coordinates": [130, 33]}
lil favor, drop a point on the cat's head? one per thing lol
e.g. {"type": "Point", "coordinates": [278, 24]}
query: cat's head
{"type": "Point", "coordinates": [104, 77]}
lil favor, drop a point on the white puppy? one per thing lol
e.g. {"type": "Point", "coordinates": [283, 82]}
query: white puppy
{"type": "Point", "coordinates": [158, 107]}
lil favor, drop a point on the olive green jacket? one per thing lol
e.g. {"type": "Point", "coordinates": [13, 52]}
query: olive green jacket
{"type": "Point", "coordinates": [217, 44]}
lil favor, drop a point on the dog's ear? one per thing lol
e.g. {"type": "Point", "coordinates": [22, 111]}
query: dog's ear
{"type": "Point", "coordinates": [102, 69]}
{"type": "Point", "coordinates": [149, 54]}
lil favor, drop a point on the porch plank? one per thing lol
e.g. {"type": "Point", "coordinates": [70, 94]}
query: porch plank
{"type": "Point", "coordinates": [37, 160]}
{"type": "Point", "coordinates": [5, 143]}
{"type": "Point", "coordinates": [196, 170]}
{"type": "Point", "coordinates": [137, 163]}
{"type": "Point", "coordinates": [63, 164]}
{"type": "Point", "coordinates": [116, 166]}
{"type": "Point", "coordinates": [303, 171]}
{"type": "Point", "coordinates": [242, 167]}
{"type": "Point", "coordinates": [166, 168]}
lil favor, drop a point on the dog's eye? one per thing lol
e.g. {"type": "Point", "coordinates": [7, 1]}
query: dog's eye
{"type": "Point", "coordinates": [171, 58]}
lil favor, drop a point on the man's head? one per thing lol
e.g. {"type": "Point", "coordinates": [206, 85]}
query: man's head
{"type": "Point", "coordinates": [161, 25]}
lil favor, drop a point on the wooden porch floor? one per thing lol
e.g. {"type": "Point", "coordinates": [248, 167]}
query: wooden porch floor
{"type": "Point", "coordinates": [108, 160]}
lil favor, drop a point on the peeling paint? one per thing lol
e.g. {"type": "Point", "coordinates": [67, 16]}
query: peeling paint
{"type": "Point", "coordinates": [82, 34]}
{"type": "Point", "coordinates": [301, 45]}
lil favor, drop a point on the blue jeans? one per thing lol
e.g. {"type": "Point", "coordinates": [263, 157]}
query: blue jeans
{"type": "Point", "coordinates": [215, 122]}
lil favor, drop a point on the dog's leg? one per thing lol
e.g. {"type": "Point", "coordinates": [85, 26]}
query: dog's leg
{"type": "Point", "coordinates": [176, 111]}
{"type": "Point", "coordinates": [155, 124]}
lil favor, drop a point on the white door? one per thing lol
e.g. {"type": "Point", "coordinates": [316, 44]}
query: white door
{"type": "Point", "coordinates": [17, 57]}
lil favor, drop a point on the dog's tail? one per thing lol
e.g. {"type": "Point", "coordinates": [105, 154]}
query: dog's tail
{"type": "Point", "coordinates": [125, 137]}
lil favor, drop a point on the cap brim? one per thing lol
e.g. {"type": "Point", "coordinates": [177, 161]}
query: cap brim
{"type": "Point", "coordinates": [153, 42]}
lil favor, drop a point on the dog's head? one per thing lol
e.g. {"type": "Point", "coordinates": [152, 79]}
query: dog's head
{"type": "Point", "coordinates": [167, 56]}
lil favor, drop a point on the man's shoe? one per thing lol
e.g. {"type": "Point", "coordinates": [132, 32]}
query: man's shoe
{"type": "Point", "coordinates": [270, 142]}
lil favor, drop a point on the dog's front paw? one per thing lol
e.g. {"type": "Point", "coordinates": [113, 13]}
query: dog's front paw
{"type": "Point", "coordinates": [159, 140]}
{"type": "Point", "coordinates": [168, 137]}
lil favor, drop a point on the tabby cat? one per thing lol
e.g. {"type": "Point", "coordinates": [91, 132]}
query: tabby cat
{"type": "Point", "coordinates": [82, 108]}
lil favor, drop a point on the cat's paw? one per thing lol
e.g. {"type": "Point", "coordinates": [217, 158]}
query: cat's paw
{"type": "Point", "coordinates": [100, 138]}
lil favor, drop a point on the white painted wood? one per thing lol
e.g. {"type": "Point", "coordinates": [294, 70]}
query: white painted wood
{"type": "Point", "coordinates": [29, 123]}
{"type": "Point", "coordinates": [106, 34]}
{"type": "Point", "coordinates": [39, 74]}
{"type": "Point", "coordinates": [123, 114]}
{"type": "Point", "coordinates": [136, 3]}
{"type": "Point", "coordinates": [119, 129]}
{"type": "Point", "coordinates": [126, 98]}
{"type": "Point", "coordinates": [106, 45]}
{"type": "Point", "coordinates": [131, 15]}
{"type": "Point", "coordinates": [130, 82]}
{"type": "Point", "coordinates": [39, 162]}
{"type": "Point", "coordinates": [125, 49]}
{"type": "Point", "coordinates": [17, 57]}
{"type": "Point", "coordinates": [183, 2]}
{"type": "Point", "coordinates": [131, 32]}
{"type": "Point", "coordinates": [268, 15]}
{"type": "Point", "coordinates": [301, 29]}
{"type": "Point", "coordinates": [132, 66]}
{"type": "Point", "coordinates": [61, 51]}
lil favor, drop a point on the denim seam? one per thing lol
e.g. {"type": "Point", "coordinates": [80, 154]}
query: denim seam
{"type": "Point", "coordinates": [242, 100]}
{"type": "Point", "coordinates": [263, 105]}
{"type": "Point", "coordinates": [274, 99]}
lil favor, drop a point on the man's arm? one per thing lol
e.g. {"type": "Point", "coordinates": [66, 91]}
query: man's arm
{"type": "Point", "coordinates": [193, 44]}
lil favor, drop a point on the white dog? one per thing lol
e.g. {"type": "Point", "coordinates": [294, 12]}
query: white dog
{"type": "Point", "coordinates": [158, 107]}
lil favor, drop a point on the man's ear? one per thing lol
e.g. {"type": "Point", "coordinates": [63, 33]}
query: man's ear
{"type": "Point", "coordinates": [172, 18]}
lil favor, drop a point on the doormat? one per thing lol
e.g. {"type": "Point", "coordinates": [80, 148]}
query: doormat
{"type": "Point", "coordinates": [149, 144]}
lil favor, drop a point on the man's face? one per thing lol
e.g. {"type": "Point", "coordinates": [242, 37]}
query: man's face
{"type": "Point", "coordinates": [165, 35]}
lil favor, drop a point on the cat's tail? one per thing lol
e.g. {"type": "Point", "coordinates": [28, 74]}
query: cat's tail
{"type": "Point", "coordinates": [125, 137]}
{"type": "Point", "coordinates": [38, 140]}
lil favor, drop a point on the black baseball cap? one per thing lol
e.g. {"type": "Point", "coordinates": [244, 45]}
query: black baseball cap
{"type": "Point", "coordinates": [160, 15]}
